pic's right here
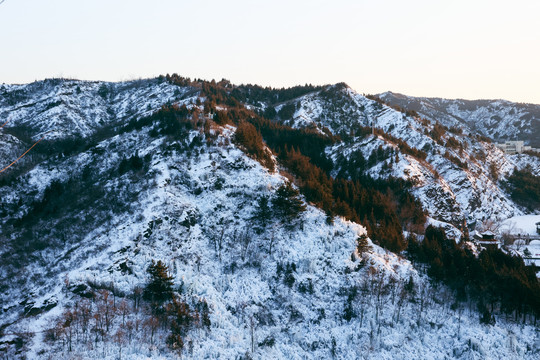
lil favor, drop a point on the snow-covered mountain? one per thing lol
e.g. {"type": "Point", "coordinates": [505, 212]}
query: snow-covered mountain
{"type": "Point", "coordinates": [70, 108]}
{"type": "Point", "coordinates": [500, 120]}
{"type": "Point", "coordinates": [455, 175]}
{"type": "Point", "coordinates": [80, 227]}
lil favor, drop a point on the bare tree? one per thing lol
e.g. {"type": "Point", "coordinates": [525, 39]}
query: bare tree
{"type": "Point", "coordinates": [217, 236]}
{"type": "Point", "coordinates": [130, 326]}
{"type": "Point", "coordinates": [123, 308]}
{"type": "Point", "coordinates": [363, 299]}
{"type": "Point", "coordinates": [508, 233]}
{"type": "Point", "coordinates": [252, 325]}
{"type": "Point", "coordinates": [152, 324]}
{"type": "Point", "coordinates": [137, 296]}
{"type": "Point", "coordinates": [106, 308]}
{"type": "Point", "coordinates": [490, 225]}
{"type": "Point", "coordinates": [244, 240]}
{"type": "Point", "coordinates": [99, 327]}
{"type": "Point", "coordinates": [120, 338]}
{"type": "Point", "coordinates": [423, 295]}
{"type": "Point", "coordinates": [272, 239]}
{"type": "Point", "coordinates": [67, 329]}
{"type": "Point", "coordinates": [402, 297]}
{"type": "Point", "coordinates": [66, 284]}
{"type": "Point", "coordinates": [379, 289]}
{"type": "Point", "coordinates": [85, 311]}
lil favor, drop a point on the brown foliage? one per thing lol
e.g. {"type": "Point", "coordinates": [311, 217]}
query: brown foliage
{"type": "Point", "coordinates": [251, 140]}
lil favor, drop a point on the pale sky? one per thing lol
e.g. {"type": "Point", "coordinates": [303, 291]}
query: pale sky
{"type": "Point", "coordinates": [473, 49]}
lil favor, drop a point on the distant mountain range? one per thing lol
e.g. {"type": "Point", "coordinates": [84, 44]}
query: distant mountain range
{"type": "Point", "coordinates": [499, 120]}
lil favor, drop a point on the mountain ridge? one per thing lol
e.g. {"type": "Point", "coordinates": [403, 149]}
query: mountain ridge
{"type": "Point", "coordinates": [498, 119]}
{"type": "Point", "coordinates": [399, 94]}
{"type": "Point", "coordinates": [365, 116]}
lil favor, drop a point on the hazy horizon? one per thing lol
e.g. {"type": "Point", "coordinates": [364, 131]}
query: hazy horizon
{"type": "Point", "coordinates": [480, 50]}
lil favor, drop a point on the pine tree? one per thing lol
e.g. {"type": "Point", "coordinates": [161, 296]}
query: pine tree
{"type": "Point", "coordinates": [362, 244]}
{"type": "Point", "coordinates": [262, 215]}
{"type": "Point", "coordinates": [287, 203]}
{"type": "Point", "coordinates": [159, 289]}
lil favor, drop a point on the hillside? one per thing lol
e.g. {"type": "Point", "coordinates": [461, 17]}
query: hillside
{"type": "Point", "coordinates": [499, 120]}
{"type": "Point", "coordinates": [166, 170]}
{"type": "Point", "coordinates": [455, 175]}
{"type": "Point", "coordinates": [74, 109]}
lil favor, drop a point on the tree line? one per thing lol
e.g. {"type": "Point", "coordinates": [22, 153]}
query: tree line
{"type": "Point", "coordinates": [524, 188]}
{"type": "Point", "coordinates": [497, 282]}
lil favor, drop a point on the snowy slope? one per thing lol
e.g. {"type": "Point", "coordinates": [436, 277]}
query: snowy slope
{"type": "Point", "coordinates": [498, 119]}
{"type": "Point", "coordinates": [311, 296]}
{"type": "Point", "coordinates": [10, 149]}
{"type": "Point", "coordinates": [450, 191]}
{"type": "Point", "coordinates": [525, 224]}
{"type": "Point", "coordinates": [69, 108]}
{"type": "Point", "coordinates": [239, 287]}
